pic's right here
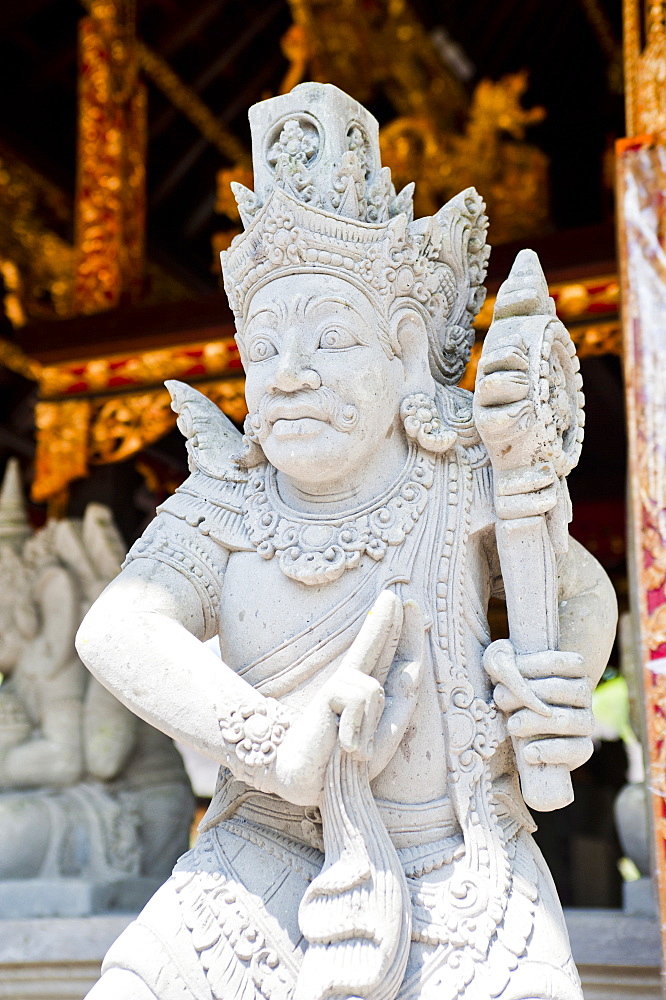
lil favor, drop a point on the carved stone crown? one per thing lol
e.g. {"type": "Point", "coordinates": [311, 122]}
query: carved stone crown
{"type": "Point", "coordinates": [323, 203]}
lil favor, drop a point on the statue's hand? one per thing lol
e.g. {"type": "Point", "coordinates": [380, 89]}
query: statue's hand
{"type": "Point", "coordinates": [349, 706]}
{"type": "Point", "coordinates": [401, 689]}
{"type": "Point", "coordinates": [548, 700]}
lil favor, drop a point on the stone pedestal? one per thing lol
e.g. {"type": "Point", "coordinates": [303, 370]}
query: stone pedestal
{"type": "Point", "coordinates": [54, 959]}
{"type": "Point", "coordinates": [618, 956]}
{"type": "Point", "coordinates": [72, 897]}
{"type": "Point", "coordinates": [59, 959]}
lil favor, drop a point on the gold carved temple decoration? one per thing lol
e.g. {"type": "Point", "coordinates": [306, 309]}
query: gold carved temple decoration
{"type": "Point", "coordinates": [645, 68]}
{"type": "Point", "coordinates": [36, 263]}
{"type": "Point", "coordinates": [439, 137]}
{"type": "Point", "coordinates": [110, 188]}
{"type": "Point", "coordinates": [107, 409]}
{"type": "Point", "coordinates": [489, 154]}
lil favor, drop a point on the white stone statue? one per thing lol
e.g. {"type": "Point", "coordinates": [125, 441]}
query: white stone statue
{"type": "Point", "coordinates": [87, 791]}
{"type": "Point", "coordinates": [368, 837]}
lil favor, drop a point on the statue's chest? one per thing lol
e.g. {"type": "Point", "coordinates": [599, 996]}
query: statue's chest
{"type": "Point", "coordinates": [261, 608]}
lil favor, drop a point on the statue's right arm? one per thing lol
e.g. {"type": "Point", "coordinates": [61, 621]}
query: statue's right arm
{"type": "Point", "coordinates": [142, 639]}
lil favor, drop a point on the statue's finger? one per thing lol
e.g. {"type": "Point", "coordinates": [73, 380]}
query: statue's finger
{"type": "Point", "coordinates": [573, 751]}
{"type": "Point", "coordinates": [576, 693]}
{"type": "Point", "coordinates": [379, 635]}
{"type": "Point", "coordinates": [525, 291]}
{"type": "Point", "coordinates": [551, 663]}
{"type": "Point", "coordinates": [506, 699]}
{"type": "Point", "coordinates": [412, 636]}
{"type": "Point", "coordinates": [373, 710]}
{"type": "Point", "coordinates": [386, 655]}
{"type": "Point", "coordinates": [404, 677]}
{"type": "Point", "coordinates": [501, 421]}
{"type": "Point", "coordinates": [561, 722]}
{"type": "Point", "coordinates": [504, 358]}
{"type": "Point", "coordinates": [499, 661]}
{"type": "Point", "coordinates": [500, 388]}
{"type": "Point", "coordinates": [349, 729]}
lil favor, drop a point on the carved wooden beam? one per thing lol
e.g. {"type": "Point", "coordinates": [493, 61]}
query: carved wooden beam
{"type": "Point", "coordinates": [110, 189]}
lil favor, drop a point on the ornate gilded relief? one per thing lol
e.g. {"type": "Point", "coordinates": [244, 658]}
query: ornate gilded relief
{"type": "Point", "coordinates": [62, 446]}
{"type": "Point", "coordinates": [144, 368]}
{"type": "Point", "coordinates": [360, 47]}
{"type": "Point", "coordinates": [110, 197]}
{"type": "Point", "coordinates": [645, 68]}
{"type": "Point", "coordinates": [75, 433]}
{"type": "Point", "coordinates": [384, 47]}
{"type": "Point", "coordinates": [490, 155]}
{"type": "Point", "coordinates": [36, 264]}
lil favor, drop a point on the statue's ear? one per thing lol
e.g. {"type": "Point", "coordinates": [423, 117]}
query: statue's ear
{"type": "Point", "coordinates": [409, 330]}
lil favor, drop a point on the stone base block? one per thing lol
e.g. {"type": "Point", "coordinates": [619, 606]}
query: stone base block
{"type": "Point", "coordinates": [618, 955]}
{"type": "Point", "coordinates": [55, 959]}
{"type": "Point", "coordinates": [28, 898]}
{"type": "Point", "coordinates": [59, 959]}
{"type": "Point", "coordinates": [639, 898]}
{"type": "Point", "coordinates": [601, 982]}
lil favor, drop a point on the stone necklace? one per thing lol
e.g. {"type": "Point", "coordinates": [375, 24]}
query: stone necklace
{"type": "Point", "coordinates": [317, 548]}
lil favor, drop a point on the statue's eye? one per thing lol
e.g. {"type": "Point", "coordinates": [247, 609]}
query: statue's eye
{"type": "Point", "coordinates": [337, 338]}
{"type": "Point", "coordinates": [261, 348]}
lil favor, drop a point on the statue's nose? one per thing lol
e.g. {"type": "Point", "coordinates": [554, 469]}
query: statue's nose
{"type": "Point", "coordinates": [292, 374]}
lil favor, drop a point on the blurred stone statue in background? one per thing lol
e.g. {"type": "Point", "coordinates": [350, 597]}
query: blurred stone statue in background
{"type": "Point", "coordinates": [368, 838]}
{"type": "Point", "coordinates": [87, 791]}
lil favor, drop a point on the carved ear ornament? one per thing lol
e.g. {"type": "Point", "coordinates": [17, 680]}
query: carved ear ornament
{"type": "Point", "coordinates": [423, 425]}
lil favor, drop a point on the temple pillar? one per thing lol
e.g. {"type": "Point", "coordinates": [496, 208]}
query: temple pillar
{"type": "Point", "coordinates": [110, 187]}
{"type": "Point", "coordinates": [641, 213]}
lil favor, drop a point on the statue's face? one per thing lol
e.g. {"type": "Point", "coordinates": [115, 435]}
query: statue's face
{"type": "Point", "coordinates": [322, 392]}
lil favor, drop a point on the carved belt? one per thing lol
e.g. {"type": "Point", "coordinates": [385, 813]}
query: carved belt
{"type": "Point", "coordinates": [409, 825]}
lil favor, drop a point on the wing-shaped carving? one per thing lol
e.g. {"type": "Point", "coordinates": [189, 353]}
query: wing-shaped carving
{"type": "Point", "coordinates": [211, 438]}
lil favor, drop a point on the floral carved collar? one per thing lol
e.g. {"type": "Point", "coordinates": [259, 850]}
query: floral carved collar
{"type": "Point", "coordinates": [317, 548]}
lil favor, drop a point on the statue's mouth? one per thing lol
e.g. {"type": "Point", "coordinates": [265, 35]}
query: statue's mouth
{"type": "Point", "coordinates": [294, 427]}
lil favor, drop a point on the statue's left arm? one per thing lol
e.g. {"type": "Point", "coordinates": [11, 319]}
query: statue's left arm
{"type": "Point", "coordinates": [528, 409]}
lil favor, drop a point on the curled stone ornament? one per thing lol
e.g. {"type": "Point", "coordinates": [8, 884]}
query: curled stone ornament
{"type": "Point", "coordinates": [423, 424]}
